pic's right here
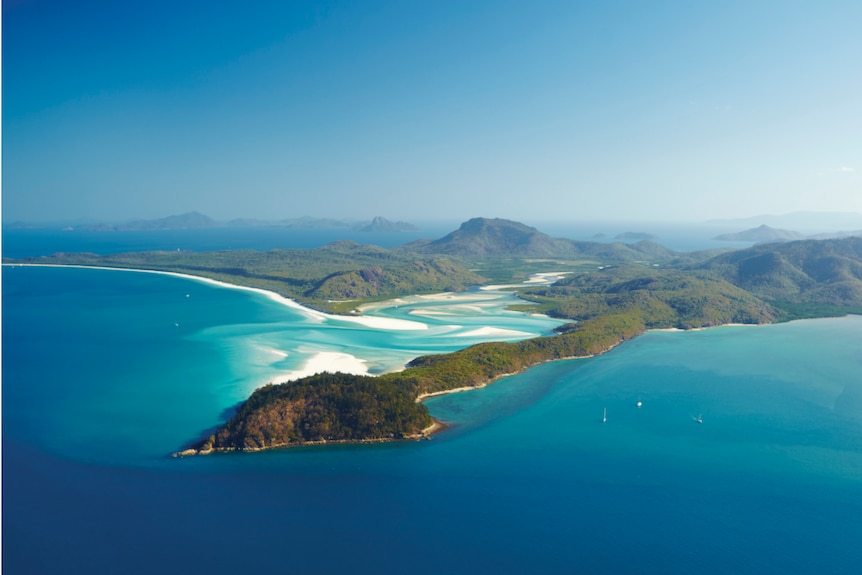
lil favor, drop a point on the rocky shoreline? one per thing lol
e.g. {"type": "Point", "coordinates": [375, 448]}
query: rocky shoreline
{"type": "Point", "coordinates": [207, 449]}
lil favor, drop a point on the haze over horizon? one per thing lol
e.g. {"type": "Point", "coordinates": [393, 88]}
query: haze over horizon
{"type": "Point", "coordinates": [439, 111]}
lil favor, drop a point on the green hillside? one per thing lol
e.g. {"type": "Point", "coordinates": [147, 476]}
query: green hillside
{"type": "Point", "coordinates": [661, 298]}
{"type": "Point", "coordinates": [483, 238]}
{"type": "Point", "coordinates": [339, 271]}
{"type": "Point", "coordinates": [808, 271]}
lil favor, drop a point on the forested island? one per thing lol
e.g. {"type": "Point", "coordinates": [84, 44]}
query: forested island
{"type": "Point", "coordinates": [614, 292]}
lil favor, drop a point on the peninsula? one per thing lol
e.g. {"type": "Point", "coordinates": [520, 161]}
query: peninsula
{"type": "Point", "coordinates": [611, 293]}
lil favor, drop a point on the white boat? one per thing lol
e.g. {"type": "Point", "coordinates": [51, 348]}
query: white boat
{"type": "Point", "coordinates": [605, 415]}
{"type": "Point", "coordinates": [698, 419]}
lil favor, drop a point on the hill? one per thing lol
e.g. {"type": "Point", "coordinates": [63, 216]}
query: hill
{"type": "Point", "coordinates": [482, 238]}
{"type": "Point", "coordinates": [341, 270]}
{"type": "Point", "coordinates": [806, 271]}
{"type": "Point", "coordinates": [328, 407]}
{"type": "Point", "coordinates": [658, 298]}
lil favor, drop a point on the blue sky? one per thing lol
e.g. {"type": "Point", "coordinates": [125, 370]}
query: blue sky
{"type": "Point", "coordinates": [536, 111]}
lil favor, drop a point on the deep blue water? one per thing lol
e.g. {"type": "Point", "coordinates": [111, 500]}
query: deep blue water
{"type": "Point", "coordinates": [100, 384]}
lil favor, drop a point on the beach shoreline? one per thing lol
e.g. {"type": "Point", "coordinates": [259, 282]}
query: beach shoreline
{"type": "Point", "coordinates": [677, 329]}
{"type": "Point", "coordinates": [371, 322]}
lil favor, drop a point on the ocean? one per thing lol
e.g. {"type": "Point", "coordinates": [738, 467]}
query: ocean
{"type": "Point", "coordinates": [745, 455]}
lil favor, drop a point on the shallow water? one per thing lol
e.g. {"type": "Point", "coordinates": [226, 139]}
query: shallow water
{"type": "Point", "coordinates": [156, 360]}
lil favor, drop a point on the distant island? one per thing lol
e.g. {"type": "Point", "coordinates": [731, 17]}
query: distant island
{"type": "Point", "coordinates": [191, 220]}
{"type": "Point", "coordinates": [810, 220]}
{"type": "Point", "coordinates": [380, 224]}
{"type": "Point", "coordinates": [612, 293]}
{"type": "Point", "coordinates": [762, 233]}
{"type": "Point", "coordinates": [626, 236]}
{"type": "Point", "coordinates": [197, 221]}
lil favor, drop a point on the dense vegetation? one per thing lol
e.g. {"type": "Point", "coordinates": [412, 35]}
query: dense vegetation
{"type": "Point", "coordinates": [802, 272]}
{"type": "Point", "coordinates": [319, 277]}
{"type": "Point", "coordinates": [482, 238]}
{"type": "Point", "coordinates": [325, 407]}
{"type": "Point", "coordinates": [659, 298]}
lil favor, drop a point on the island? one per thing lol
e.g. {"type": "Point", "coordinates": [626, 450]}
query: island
{"type": "Point", "coordinates": [197, 220]}
{"type": "Point", "coordinates": [611, 293]}
{"type": "Point", "coordinates": [381, 224]}
{"type": "Point", "coordinates": [629, 236]}
{"type": "Point", "coordinates": [761, 234]}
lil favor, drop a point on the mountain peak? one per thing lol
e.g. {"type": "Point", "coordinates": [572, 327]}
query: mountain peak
{"type": "Point", "coordinates": [486, 237]}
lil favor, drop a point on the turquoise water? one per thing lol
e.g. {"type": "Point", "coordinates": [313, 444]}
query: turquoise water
{"type": "Point", "coordinates": [100, 384]}
{"type": "Point", "coordinates": [146, 363]}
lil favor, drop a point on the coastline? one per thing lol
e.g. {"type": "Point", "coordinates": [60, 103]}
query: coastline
{"type": "Point", "coordinates": [672, 329]}
{"type": "Point", "coordinates": [423, 396]}
{"type": "Point", "coordinates": [372, 322]}
{"type": "Point", "coordinates": [436, 426]}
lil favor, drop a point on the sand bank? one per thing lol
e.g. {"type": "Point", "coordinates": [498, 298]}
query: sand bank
{"type": "Point", "coordinates": [544, 278]}
{"type": "Point", "coordinates": [488, 331]}
{"type": "Point", "coordinates": [325, 361]}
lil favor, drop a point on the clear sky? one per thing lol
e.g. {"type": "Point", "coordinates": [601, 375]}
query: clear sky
{"type": "Point", "coordinates": [529, 110]}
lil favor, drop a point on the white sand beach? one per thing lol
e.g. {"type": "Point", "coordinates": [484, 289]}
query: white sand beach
{"type": "Point", "coordinates": [544, 278]}
{"type": "Point", "coordinates": [488, 331]}
{"type": "Point", "coordinates": [325, 361]}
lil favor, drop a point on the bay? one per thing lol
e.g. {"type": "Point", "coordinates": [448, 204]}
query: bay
{"type": "Point", "coordinates": [100, 384]}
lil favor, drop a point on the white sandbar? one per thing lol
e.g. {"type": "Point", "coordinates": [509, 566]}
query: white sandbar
{"type": "Point", "coordinates": [325, 361]}
{"type": "Point", "coordinates": [493, 332]}
{"type": "Point", "coordinates": [544, 278]}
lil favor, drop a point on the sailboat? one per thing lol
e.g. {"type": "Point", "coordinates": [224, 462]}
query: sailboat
{"type": "Point", "coordinates": [605, 415]}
